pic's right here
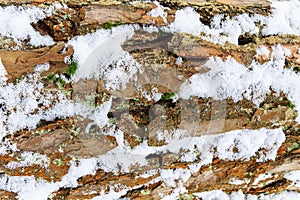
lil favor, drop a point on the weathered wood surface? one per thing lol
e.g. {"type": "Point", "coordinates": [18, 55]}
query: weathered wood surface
{"type": "Point", "coordinates": [155, 48]}
{"type": "Point", "coordinates": [22, 62]}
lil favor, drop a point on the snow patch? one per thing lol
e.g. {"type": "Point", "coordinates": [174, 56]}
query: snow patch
{"type": "Point", "coordinates": [159, 11]}
{"type": "Point", "coordinates": [99, 115]}
{"type": "Point", "coordinates": [230, 79]}
{"type": "Point", "coordinates": [28, 159]}
{"type": "Point", "coordinates": [283, 20]}
{"type": "Point", "coordinates": [15, 22]}
{"type": "Point", "coordinates": [42, 67]}
{"type": "Point", "coordinates": [262, 51]}
{"type": "Point", "coordinates": [3, 74]}
{"type": "Point", "coordinates": [187, 20]}
{"type": "Point", "coordinates": [153, 94]}
{"type": "Point", "coordinates": [27, 187]}
{"type": "Point", "coordinates": [262, 177]}
{"type": "Point", "coordinates": [219, 194]}
{"type": "Point", "coordinates": [294, 176]}
{"type": "Point", "coordinates": [122, 158]}
{"type": "Point", "coordinates": [236, 181]}
{"type": "Point", "coordinates": [23, 104]}
{"type": "Point", "coordinates": [100, 55]}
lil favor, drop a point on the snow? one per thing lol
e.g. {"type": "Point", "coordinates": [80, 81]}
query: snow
{"type": "Point", "coordinates": [218, 194]}
{"type": "Point", "coordinates": [28, 159]}
{"type": "Point", "coordinates": [42, 67]}
{"type": "Point", "coordinates": [27, 187]}
{"type": "Point", "coordinates": [236, 181]}
{"type": "Point", "coordinates": [178, 61]}
{"type": "Point", "coordinates": [159, 11]}
{"type": "Point", "coordinates": [15, 22]}
{"type": "Point", "coordinates": [148, 174]}
{"type": "Point", "coordinates": [188, 20]}
{"type": "Point", "coordinates": [3, 74]}
{"type": "Point", "coordinates": [122, 157]}
{"type": "Point", "coordinates": [262, 177]}
{"type": "Point", "coordinates": [23, 103]}
{"type": "Point", "coordinates": [250, 82]}
{"type": "Point", "coordinates": [153, 94]}
{"type": "Point", "coordinates": [294, 176]}
{"type": "Point", "coordinates": [150, 29]}
{"type": "Point", "coordinates": [99, 115]}
{"type": "Point", "coordinates": [284, 20]}
{"type": "Point", "coordinates": [262, 51]}
{"type": "Point", "coordinates": [170, 175]}
{"type": "Point", "coordinates": [99, 55]}
{"type": "Point", "coordinates": [248, 142]}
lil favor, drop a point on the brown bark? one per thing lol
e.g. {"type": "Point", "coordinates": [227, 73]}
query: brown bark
{"type": "Point", "coordinates": [22, 62]}
{"type": "Point", "coordinates": [151, 50]}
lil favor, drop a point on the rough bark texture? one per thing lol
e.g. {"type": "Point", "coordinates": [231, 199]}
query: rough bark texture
{"type": "Point", "coordinates": [131, 111]}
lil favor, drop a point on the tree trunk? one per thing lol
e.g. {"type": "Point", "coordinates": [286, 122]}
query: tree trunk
{"type": "Point", "coordinates": [70, 141]}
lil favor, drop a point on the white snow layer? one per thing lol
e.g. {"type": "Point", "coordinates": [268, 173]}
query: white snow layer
{"type": "Point", "coordinates": [29, 158]}
{"type": "Point", "coordinates": [218, 194]}
{"type": "Point", "coordinates": [159, 11]}
{"type": "Point", "coordinates": [15, 22]}
{"type": "Point", "coordinates": [26, 103]}
{"type": "Point", "coordinates": [230, 79]}
{"type": "Point", "coordinates": [99, 55]}
{"type": "Point", "coordinates": [247, 141]}
{"type": "Point", "coordinates": [3, 74]}
{"type": "Point", "coordinates": [294, 176]}
{"type": "Point", "coordinates": [22, 105]}
{"type": "Point", "coordinates": [283, 20]}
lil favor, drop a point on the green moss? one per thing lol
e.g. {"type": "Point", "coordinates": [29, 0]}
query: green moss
{"type": "Point", "coordinates": [58, 162]}
{"type": "Point", "coordinates": [138, 139]}
{"type": "Point", "coordinates": [61, 84]}
{"type": "Point", "coordinates": [110, 25]}
{"type": "Point", "coordinates": [145, 192]}
{"type": "Point", "coordinates": [112, 120]}
{"type": "Point", "coordinates": [167, 96]}
{"type": "Point", "coordinates": [18, 80]}
{"type": "Point", "coordinates": [72, 68]}
{"type": "Point", "coordinates": [291, 105]}
{"type": "Point", "coordinates": [74, 130]}
{"type": "Point", "coordinates": [295, 146]}
{"type": "Point", "coordinates": [297, 69]}
{"type": "Point", "coordinates": [185, 197]}
{"type": "Point", "coordinates": [51, 77]}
